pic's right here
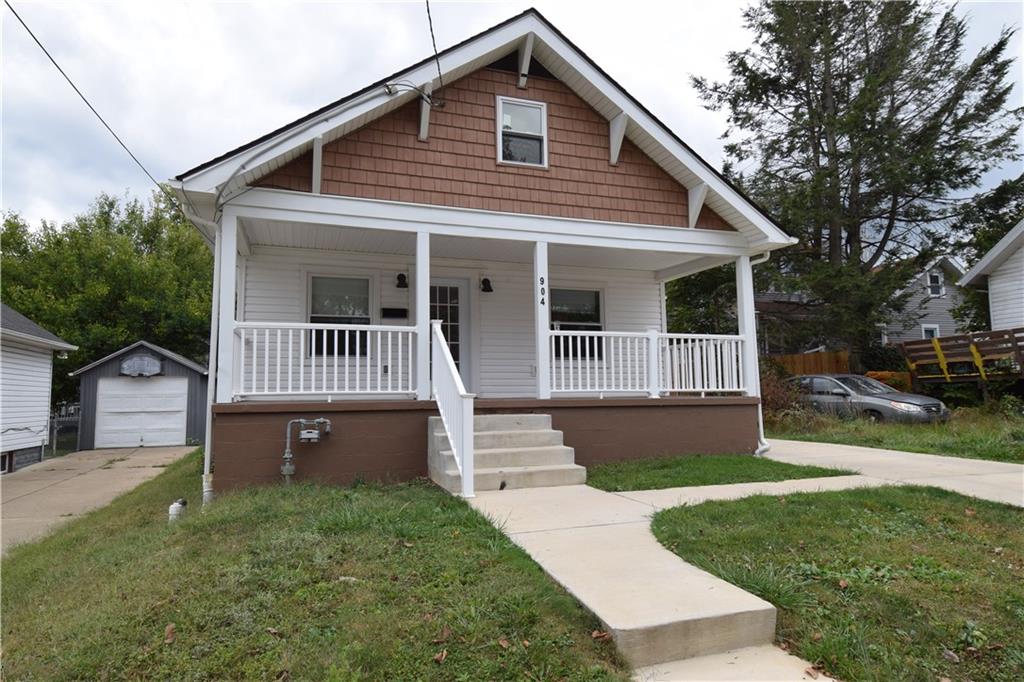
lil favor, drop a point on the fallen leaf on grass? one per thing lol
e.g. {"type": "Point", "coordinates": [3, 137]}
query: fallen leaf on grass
{"type": "Point", "coordinates": [600, 635]}
{"type": "Point", "coordinates": [812, 673]}
{"type": "Point", "coordinates": [440, 656]}
{"type": "Point", "coordinates": [446, 632]}
{"type": "Point", "coordinates": [945, 679]}
{"type": "Point", "coordinates": [526, 644]}
{"type": "Point", "coordinates": [284, 676]}
{"type": "Point", "coordinates": [970, 512]}
{"type": "Point", "coordinates": [816, 636]}
{"type": "Point", "coordinates": [504, 643]}
{"type": "Point", "coordinates": [273, 632]}
{"type": "Point", "coordinates": [843, 584]}
{"type": "Point", "coordinates": [950, 656]}
{"type": "Point", "coordinates": [169, 634]}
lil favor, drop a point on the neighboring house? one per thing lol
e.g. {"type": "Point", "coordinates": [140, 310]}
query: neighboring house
{"type": "Point", "coordinates": [142, 395]}
{"type": "Point", "coordinates": [1001, 273]}
{"type": "Point", "coordinates": [26, 378]}
{"type": "Point", "coordinates": [933, 295]}
{"type": "Point", "coordinates": [529, 204]}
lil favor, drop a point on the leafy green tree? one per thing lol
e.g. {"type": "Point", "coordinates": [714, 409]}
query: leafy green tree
{"type": "Point", "coordinates": [857, 125]}
{"type": "Point", "coordinates": [120, 272]}
{"type": "Point", "coordinates": [982, 224]}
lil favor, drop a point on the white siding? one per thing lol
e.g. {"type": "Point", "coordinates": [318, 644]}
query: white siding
{"type": "Point", "coordinates": [501, 322]}
{"type": "Point", "coordinates": [1006, 292]}
{"type": "Point", "coordinates": [25, 377]}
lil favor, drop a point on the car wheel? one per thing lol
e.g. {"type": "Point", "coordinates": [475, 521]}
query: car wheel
{"type": "Point", "coordinates": [873, 416]}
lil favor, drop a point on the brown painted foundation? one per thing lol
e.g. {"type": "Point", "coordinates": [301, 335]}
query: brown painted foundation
{"type": "Point", "coordinates": [387, 440]}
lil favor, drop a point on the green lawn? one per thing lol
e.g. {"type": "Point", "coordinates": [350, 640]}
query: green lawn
{"type": "Point", "coordinates": [970, 433]}
{"type": "Point", "coordinates": [674, 472]}
{"type": "Point", "coordinates": [307, 582]}
{"type": "Point", "coordinates": [879, 584]}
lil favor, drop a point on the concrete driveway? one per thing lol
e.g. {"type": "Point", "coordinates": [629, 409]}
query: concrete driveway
{"type": "Point", "coordinates": [995, 481]}
{"type": "Point", "coordinates": [39, 498]}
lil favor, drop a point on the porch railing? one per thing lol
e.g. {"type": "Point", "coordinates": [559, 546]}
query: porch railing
{"type": "Point", "coordinates": [323, 359]}
{"type": "Point", "coordinates": [645, 362]}
{"type": "Point", "coordinates": [454, 403]}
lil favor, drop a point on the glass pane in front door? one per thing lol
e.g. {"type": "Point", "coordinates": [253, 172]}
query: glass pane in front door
{"type": "Point", "coordinates": [444, 306]}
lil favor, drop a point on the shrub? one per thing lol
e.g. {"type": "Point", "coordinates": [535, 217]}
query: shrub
{"type": "Point", "coordinates": [882, 359]}
{"type": "Point", "coordinates": [898, 380]}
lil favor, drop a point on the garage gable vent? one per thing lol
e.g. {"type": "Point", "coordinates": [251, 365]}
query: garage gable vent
{"type": "Point", "coordinates": [141, 366]}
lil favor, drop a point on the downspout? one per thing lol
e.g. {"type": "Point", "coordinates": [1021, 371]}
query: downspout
{"type": "Point", "coordinates": [211, 369]}
{"type": "Point", "coordinates": [763, 445]}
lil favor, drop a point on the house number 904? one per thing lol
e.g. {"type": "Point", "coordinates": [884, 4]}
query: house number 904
{"type": "Point", "coordinates": [542, 291]}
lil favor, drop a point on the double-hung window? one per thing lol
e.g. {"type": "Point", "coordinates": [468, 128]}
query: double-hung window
{"type": "Point", "coordinates": [522, 132]}
{"type": "Point", "coordinates": [339, 300]}
{"type": "Point", "coordinates": [936, 285]}
{"type": "Point", "coordinates": [576, 310]}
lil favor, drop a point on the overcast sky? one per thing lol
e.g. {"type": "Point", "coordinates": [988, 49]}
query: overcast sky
{"type": "Point", "coordinates": [184, 82]}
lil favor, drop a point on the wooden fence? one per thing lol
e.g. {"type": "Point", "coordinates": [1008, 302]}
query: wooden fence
{"type": "Point", "coordinates": [981, 356]}
{"type": "Point", "coordinates": [835, 362]}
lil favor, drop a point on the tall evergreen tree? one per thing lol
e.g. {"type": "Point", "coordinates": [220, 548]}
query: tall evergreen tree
{"type": "Point", "coordinates": [862, 127]}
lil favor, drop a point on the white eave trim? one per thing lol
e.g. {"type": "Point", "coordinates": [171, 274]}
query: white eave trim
{"type": "Point", "coordinates": [501, 40]}
{"type": "Point", "coordinates": [38, 342]}
{"type": "Point", "coordinates": [996, 256]}
{"type": "Point", "coordinates": [285, 205]}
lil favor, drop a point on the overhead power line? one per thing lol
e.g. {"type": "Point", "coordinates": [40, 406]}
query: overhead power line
{"type": "Point", "coordinates": [433, 41]}
{"type": "Point", "coordinates": [106, 125]}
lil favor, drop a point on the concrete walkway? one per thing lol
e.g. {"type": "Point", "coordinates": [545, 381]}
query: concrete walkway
{"type": "Point", "coordinates": [39, 498]}
{"type": "Point", "coordinates": [994, 481]}
{"type": "Point", "coordinates": [667, 617]}
{"type": "Point", "coordinates": [671, 620]}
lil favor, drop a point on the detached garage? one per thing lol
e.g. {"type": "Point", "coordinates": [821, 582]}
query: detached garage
{"type": "Point", "coordinates": [141, 396]}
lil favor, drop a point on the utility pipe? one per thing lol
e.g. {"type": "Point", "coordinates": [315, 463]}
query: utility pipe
{"type": "Point", "coordinates": [211, 376]}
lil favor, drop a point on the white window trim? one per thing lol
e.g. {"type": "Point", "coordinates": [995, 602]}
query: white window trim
{"type": "Point", "coordinates": [499, 101]}
{"type": "Point", "coordinates": [600, 304]}
{"type": "Point", "coordinates": [933, 327]}
{"type": "Point", "coordinates": [942, 283]}
{"type": "Point", "coordinates": [371, 279]}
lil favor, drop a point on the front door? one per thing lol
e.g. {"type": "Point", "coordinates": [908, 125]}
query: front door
{"type": "Point", "coordinates": [449, 303]}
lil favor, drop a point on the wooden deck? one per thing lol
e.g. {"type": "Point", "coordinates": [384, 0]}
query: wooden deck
{"type": "Point", "coordinates": [977, 357]}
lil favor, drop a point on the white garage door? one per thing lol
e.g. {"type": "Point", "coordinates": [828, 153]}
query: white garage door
{"type": "Point", "coordinates": [137, 411]}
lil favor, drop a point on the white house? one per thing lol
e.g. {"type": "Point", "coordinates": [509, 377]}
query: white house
{"type": "Point", "coordinates": [26, 377]}
{"type": "Point", "coordinates": [1001, 272]}
{"type": "Point", "coordinates": [515, 194]}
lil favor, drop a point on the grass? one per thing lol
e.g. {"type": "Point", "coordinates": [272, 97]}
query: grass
{"type": "Point", "coordinates": [970, 433]}
{"type": "Point", "coordinates": [673, 472]}
{"type": "Point", "coordinates": [306, 582]}
{"type": "Point", "coordinates": [879, 584]}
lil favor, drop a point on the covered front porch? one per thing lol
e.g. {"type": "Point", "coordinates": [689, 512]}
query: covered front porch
{"type": "Point", "coordinates": [407, 306]}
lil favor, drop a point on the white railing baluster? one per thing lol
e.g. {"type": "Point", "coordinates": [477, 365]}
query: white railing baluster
{"type": "Point", "coordinates": [454, 404]}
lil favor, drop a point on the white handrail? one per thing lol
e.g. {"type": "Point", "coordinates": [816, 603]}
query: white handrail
{"type": "Point", "coordinates": [649, 362]}
{"type": "Point", "coordinates": [454, 403]}
{"type": "Point", "coordinates": [295, 358]}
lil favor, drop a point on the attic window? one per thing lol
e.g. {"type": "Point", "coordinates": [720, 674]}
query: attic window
{"type": "Point", "coordinates": [936, 285]}
{"type": "Point", "coordinates": [522, 132]}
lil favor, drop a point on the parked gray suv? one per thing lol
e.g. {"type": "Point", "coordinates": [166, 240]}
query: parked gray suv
{"type": "Point", "coordinates": [852, 395]}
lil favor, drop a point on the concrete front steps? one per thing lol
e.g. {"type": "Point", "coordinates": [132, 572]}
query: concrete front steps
{"type": "Point", "coordinates": [510, 451]}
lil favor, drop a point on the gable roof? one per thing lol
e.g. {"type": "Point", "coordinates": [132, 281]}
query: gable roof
{"type": "Point", "coordinates": [15, 325]}
{"type": "Point", "coordinates": [997, 255]}
{"type": "Point", "coordinates": [180, 359]}
{"type": "Point", "coordinates": [231, 171]}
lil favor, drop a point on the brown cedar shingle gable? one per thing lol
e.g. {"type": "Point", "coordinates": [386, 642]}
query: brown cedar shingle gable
{"type": "Point", "coordinates": [457, 165]}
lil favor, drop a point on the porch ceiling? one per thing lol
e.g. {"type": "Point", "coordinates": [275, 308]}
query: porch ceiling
{"type": "Point", "coordinates": [261, 232]}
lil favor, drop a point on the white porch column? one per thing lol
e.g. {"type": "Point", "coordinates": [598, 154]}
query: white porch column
{"type": "Point", "coordinates": [422, 294]}
{"type": "Point", "coordinates": [747, 324]}
{"type": "Point", "coordinates": [228, 261]}
{"type": "Point", "coordinates": [542, 318]}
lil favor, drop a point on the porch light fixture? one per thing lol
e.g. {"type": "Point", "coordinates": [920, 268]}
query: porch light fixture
{"type": "Point", "coordinates": [485, 286]}
{"type": "Point", "coordinates": [402, 281]}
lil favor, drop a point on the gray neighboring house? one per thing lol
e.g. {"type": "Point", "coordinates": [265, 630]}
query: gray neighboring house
{"type": "Point", "coordinates": [934, 294]}
{"type": "Point", "coordinates": [142, 395]}
{"type": "Point", "coordinates": [26, 381]}
{"type": "Point", "coordinates": [1001, 273]}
